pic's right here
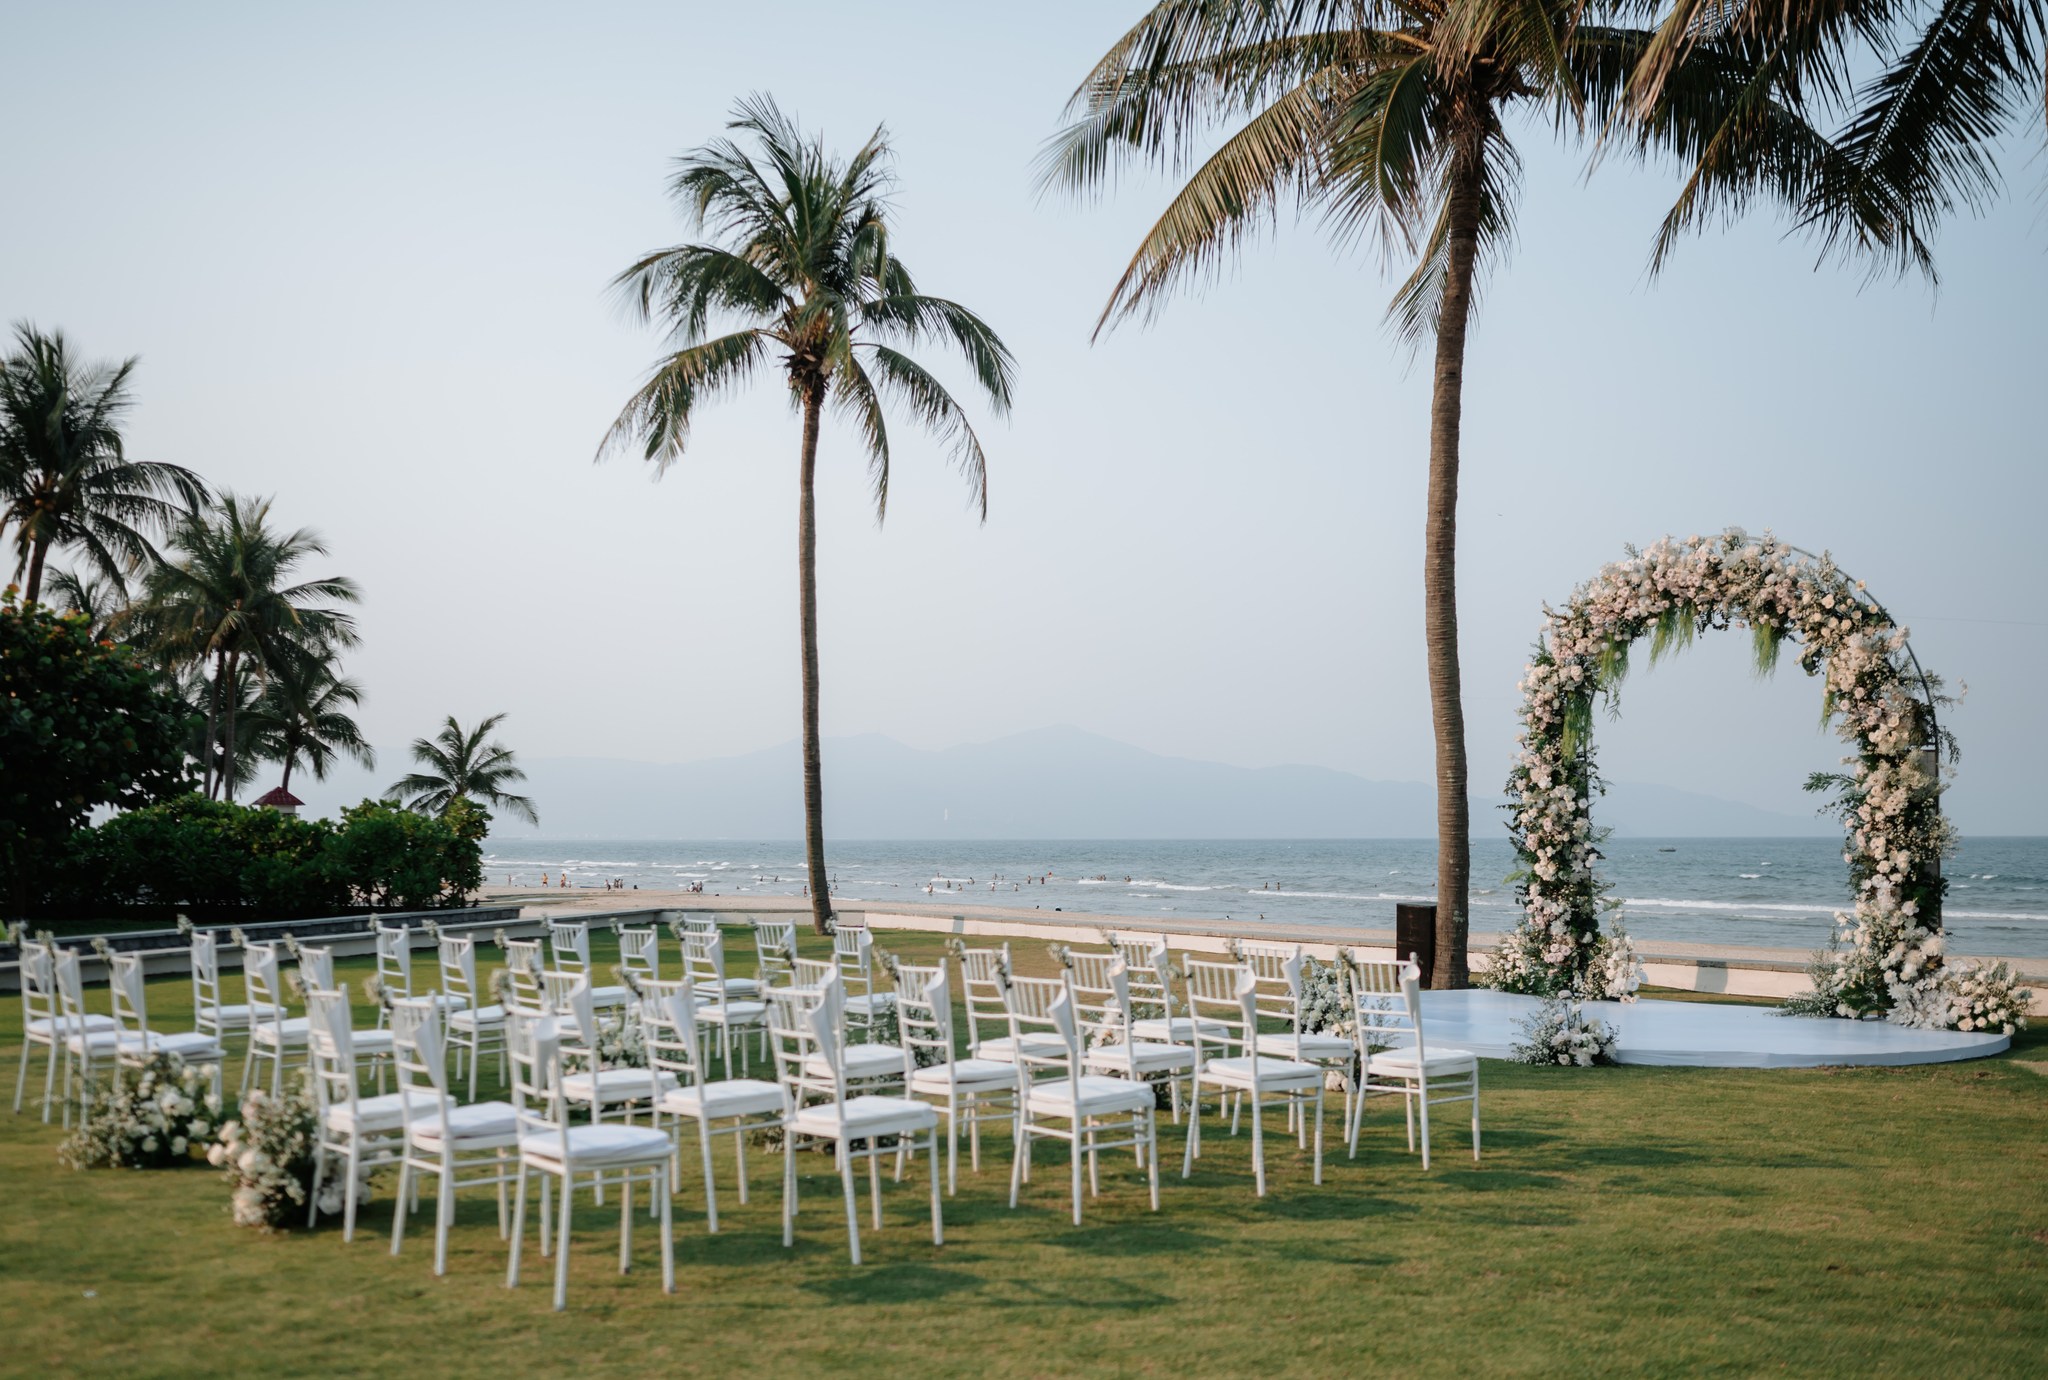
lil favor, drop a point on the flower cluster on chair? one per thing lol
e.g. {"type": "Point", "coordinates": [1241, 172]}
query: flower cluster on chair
{"type": "Point", "coordinates": [1890, 961]}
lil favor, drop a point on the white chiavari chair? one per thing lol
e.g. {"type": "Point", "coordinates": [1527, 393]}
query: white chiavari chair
{"type": "Point", "coordinates": [640, 951]}
{"type": "Point", "coordinates": [524, 965]}
{"type": "Point", "coordinates": [1119, 1056]}
{"type": "Point", "coordinates": [725, 1002]}
{"type": "Point", "coordinates": [86, 1045]}
{"type": "Point", "coordinates": [361, 1133]}
{"type": "Point", "coordinates": [598, 1087]}
{"type": "Point", "coordinates": [42, 1024]}
{"type": "Point", "coordinates": [984, 977]}
{"type": "Point", "coordinates": [1224, 994]}
{"type": "Point", "coordinates": [853, 950]}
{"type": "Point", "coordinates": [569, 952]}
{"type": "Point", "coordinates": [453, 1146]}
{"type": "Point", "coordinates": [210, 1013]}
{"type": "Point", "coordinates": [967, 1092]}
{"type": "Point", "coordinates": [1386, 1000]}
{"type": "Point", "coordinates": [475, 1027]}
{"type": "Point", "coordinates": [371, 1045]}
{"type": "Point", "coordinates": [774, 947]}
{"type": "Point", "coordinates": [135, 1044]}
{"type": "Point", "coordinates": [735, 1107]}
{"type": "Point", "coordinates": [561, 1153]}
{"type": "Point", "coordinates": [274, 1036]}
{"type": "Point", "coordinates": [810, 1060]}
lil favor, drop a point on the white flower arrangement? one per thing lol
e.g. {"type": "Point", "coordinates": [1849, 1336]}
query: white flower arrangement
{"type": "Point", "coordinates": [1560, 1032]}
{"type": "Point", "coordinates": [185, 927]}
{"type": "Point", "coordinates": [160, 1114]}
{"type": "Point", "coordinates": [1889, 800]}
{"type": "Point", "coordinates": [267, 1156]}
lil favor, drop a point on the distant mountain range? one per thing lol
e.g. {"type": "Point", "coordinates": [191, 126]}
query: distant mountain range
{"type": "Point", "coordinates": [1048, 783]}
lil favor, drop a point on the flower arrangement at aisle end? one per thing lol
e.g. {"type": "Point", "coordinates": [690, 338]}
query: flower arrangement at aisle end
{"type": "Point", "coordinates": [1559, 1032]}
{"type": "Point", "coordinates": [267, 1156]}
{"type": "Point", "coordinates": [1889, 796]}
{"type": "Point", "coordinates": [156, 1118]}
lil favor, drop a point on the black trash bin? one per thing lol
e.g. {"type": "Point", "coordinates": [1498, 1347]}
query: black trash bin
{"type": "Point", "coordinates": [1415, 934]}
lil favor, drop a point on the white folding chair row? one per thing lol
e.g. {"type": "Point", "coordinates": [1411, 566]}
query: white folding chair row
{"type": "Point", "coordinates": [44, 1026]}
{"type": "Point", "coordinates": [1386, 999]}
{"type": "Point", "coordinates": [575, 1156]}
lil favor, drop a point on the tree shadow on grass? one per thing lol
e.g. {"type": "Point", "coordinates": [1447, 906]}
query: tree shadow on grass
{"type": "Point", "coordinates": [904, 1283]}
{"type": "Point", "coordinates": [1149, 1237]}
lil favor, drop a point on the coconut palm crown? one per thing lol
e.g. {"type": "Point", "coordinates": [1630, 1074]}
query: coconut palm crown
{"type": "Point", "coordinates": [459, 764]}
{"type": "Point", "coordinates": [802, 277]}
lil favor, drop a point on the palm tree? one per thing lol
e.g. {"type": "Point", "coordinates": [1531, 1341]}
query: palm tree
{"type": "Point", "coordinates": [1387, 117]}
{"type": "Point", "coordinates": [220, 598]}
{"type": "Point", "coordinates": [1919, 136]}
{"type": "Point", "coordinates": [65, 479]}
{"type": "Point", "coordinates": [303, 712]}
{"type": "Point", "coordinates": [807, 276]}
{"type": "Point", "coordinates": [460, 765]}
{"type": "Point", "coordinates": [102, 600]}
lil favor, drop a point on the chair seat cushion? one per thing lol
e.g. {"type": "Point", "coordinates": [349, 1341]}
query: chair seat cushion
{"type": "Point", "coordinates": [611, 1086]}
{"type": "Point", "coordinates": [44, 1027]}
{"type": "Point", "coordinates": [239, 1014]}
{"type": "Point", "coordinates": [872, 1004]}
{"type": "Point", "coordinates": [1176, 1030]}
{"type": "Point", "coordinates": [475, 1126]}
{"type": "Point", "coordinates": [292, 1030]}
{"type": "Point", "coordinates": [1401, 1062]}
{"type": "Point", "coordinates": [608, 996]}
{"type": "Point", "coordinates": [97, 1042]}
{"type": "Point", "coordinates": [733, 1012]}
{"type": "Point", "coordinates": [1042, 1046]}
{"type": "Point", "coordinates": [729, 1097]}
{"type": "Point", "coordinates": [193, 1046]}
{"type": "Point", "coordinates": [862, 1062]}
{"type": "Point", "coordinates": [1309, 1048]}
{"type": "Point", "coordinates": [480, 1017]}
{"type": "Point", "coordinates": [737, 988]}
{"type": "Point", "coordinates": [1100, 1096]}
{"type": "Point", "coordinates": [592, 1146]}
{"type": "Point", "coordinates": [966, 1074]}
{"type": "Point", "coordinates": [371, 1115]}
{"type": "Point", "coordinates": [864, 1116]}
{"type": "Point", "coordinates": [1273, 1073]}
{"type": "Point", "coordinates": [1150, 1057]}
{"type": "Point", "coordinates": [367, 1042]}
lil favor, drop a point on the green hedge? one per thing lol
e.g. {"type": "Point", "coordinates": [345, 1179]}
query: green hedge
{"type": "Point", "coordinates": [213, 860]}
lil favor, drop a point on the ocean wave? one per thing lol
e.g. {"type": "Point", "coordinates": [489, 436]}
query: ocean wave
{"type": "Point", "coordinates": [1174, 886]}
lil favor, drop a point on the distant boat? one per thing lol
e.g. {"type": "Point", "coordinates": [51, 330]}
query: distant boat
{"type": "Point", "coordinates": [1667, 850]}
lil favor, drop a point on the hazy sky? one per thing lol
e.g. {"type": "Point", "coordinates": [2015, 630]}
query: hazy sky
{"type": "Point", "coordinates": [362, 253]}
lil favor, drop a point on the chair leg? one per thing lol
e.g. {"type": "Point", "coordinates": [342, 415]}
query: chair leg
{"type": "Point", "coordinates": [938, 1218]}
{"type": "Point", "coordinates": [1193, 1145]}
{"type": "Point", "coordinates": [710, 1188]}
{"type": "Point", "coordinates": [1475, 1113]}
{"type": "Point", "coordinates": [398, 1215]}
{"type": "Point", "coordinates": [319, 1178]}
{"type": "Point", "coordinates": [875, 1184]}
{"type": "Point", "coordinates": [350, 1189]}
{"type": "Point", "coordinates": [788, 1186]}
{"type": "Point", "coordinates": [21, 1077]}
{"type": "Point", "coordinates": [1152, 1154]}
{"type": "Point", "coordinates": [1074, 1161]}
{"type": "Point", "coordinates": [664, 1189]}
{"type": "Point", "coordinates": [547, 1213]}
{"type": "Point", "coordinates": [852, 1211]}
{"type": "Point", "coordinates": [49, 1081]}
{"type": "Point", "coordinates": [518, 1231]}
{"type": "Point", "coordinates": [1258, 1141]}
{"type": "Point", "coordinates": [562, 1243]}
{"type": "Point", "coordinates": [1422, 1105]}
{"type": "Point", "coordinates": [1018, 1134]}
{"type": "Point", "coordinates": [1319, 1133]}
{"type": "Point", "coordinates": [625, 1221]}
{"type": "Point", "coordinates": [952, 1152]}
{"type": "Point", "coordinates": [444, 1216]}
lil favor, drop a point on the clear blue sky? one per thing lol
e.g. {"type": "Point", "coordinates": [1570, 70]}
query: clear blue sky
{"type": "Point", "coordinates": [362, 254]}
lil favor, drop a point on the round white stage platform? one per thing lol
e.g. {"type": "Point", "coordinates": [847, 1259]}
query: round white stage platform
{"type": "Point", "coordinates": [1702, 1034]}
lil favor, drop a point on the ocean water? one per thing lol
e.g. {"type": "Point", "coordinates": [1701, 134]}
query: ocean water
{"type": "Point", "coordinates": [1778, 892]}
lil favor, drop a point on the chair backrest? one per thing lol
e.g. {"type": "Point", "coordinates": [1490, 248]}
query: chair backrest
{"type": "Point", "coordinates": [68, 982]}
{"type": "Point", "coordinates": [206, 1001]}
{"type": "Point", "coordinates": [853, 949]}
{"type": "Point", "coordinates": [924, 1015]}
{"type": "Point", "coordinates": [569, 945]}
{"type": "Point", "coordinates": [456, 954]}
{"type": "Point", "coordinates": [1276, 995]}
{"type": "Point", "coordinates": [981, 992]}
{"type": "Point", "coordinates": [523, 962]}
{"type": "Point", "coordinates": [1029, 1003]}
{"type": "Point", "coordinates": [124, 985]}
{"type": "Point", "coordinates": [394, 958]}
{"type": "Point", "coordinates": [802, 1023]}
{"type": "Point", "coordinates": [1149, 967]}
{"type": "Point", "coordinates": [419, 1054]}
{"type": "Point", "coordinates": [265, 992]}
{"type": "Point", "coordinates": [1411, 997]}
{"type": "Point", "coordinates": [316, 967]}
{"type": "Point", "coordinates": [704, 958]}
{"type": "Point", "coordinates": [1383, 1015]}
{"type": "Point", "coordinates": [1122, 1013]}
{"type": "Point", "coordinates": [1220, 994]}
{"type": "Point", "coordinates": [774, 946]}
{"type": "Point", "coordinates": [330, 1047]}
{"type": "Point", "coordinates": [698, 923]}
{"type": "Point", "coordinates": [534, 1047]}
{"type": "Point", "coordinates": [812, 974]}
{"type": "Point", "coordinates": [38, 985]}
{"type": "Point", "coordinates": [1095, 1004]}
{"type": "Point", "coordinates": [668, 1026]}
{"type": "Point", "coordinates": [640, 952]}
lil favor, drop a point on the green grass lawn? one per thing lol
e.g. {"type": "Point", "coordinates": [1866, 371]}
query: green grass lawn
{"type": "Point", "coordinates": [1624, 1220]}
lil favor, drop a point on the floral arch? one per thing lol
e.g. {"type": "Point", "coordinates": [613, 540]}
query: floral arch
{"type": "Point", "coordinates": [1887, 958]}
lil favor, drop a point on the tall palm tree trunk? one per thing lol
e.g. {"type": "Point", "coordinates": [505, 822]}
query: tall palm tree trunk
{"type": "Point", "coordinates": [1440, 577]}
{"type": "Point", "coordinates": [211, 751]}
{"type": "Point", "coordinates": [227, 734]}
{"type": "Point", "coordinates": [33, 589]}
{"type": "Point", "coordinates": [807, 600]}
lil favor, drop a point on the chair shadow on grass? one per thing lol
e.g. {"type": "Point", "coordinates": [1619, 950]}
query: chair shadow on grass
{"type": "Point", "coordinates": [906, 1282]}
